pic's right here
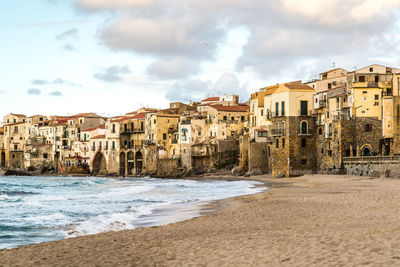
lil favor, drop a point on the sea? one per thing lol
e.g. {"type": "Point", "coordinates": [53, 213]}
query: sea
{"type": "Point", "coordinates": [40, 209]}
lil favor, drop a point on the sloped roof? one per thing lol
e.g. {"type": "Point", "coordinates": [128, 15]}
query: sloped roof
{"type": "Point", "coordinates": [213, 98]}
{"type": "Point", "coordinates": [240, 108]}
{"type": "Point", "coordinates": [98, 136]}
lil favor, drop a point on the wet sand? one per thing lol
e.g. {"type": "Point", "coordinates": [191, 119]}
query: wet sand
{"type": "Point", "coordinates": [320, 220]}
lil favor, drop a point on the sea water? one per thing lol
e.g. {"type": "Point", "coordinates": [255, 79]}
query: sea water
{"type": "Point", "coordinates": [40, 209]}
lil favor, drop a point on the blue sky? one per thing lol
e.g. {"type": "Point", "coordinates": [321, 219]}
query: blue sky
{"type": "Point", "coordinates": [114, 56]}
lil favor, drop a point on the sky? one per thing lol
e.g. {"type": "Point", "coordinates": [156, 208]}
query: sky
{"type": "Point", "coordinates": [114, 56]}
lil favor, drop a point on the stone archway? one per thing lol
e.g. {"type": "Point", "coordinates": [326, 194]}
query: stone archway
{"type": "Point", "coordinates": [99, 164]}
{"type": "Point", "coordinates": [139, 162]}
{"type": "Point", "coordinates": [3, 160]}
{"type": "Point", "coordinates": [366, 151]}
{"type": "Point", "coordinates": [131, 163]}
{"type": "Point", "coordinates": [122, 163]}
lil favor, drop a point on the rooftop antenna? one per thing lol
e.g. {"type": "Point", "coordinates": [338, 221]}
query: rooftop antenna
{"type": "Point", "coordinates": [333, 64]}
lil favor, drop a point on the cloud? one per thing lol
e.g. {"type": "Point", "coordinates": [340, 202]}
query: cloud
{"type": "Point", "coordinates": [71, 34]}
{"type": "Point", "coordinates": [69, 47]}
{"type": "Point", "coordinates": [112, 73]}
{"type": "Point", "coordinates": [189, 90]}
{"type": "Point", "coordinates": [58, 81]}
{"type": "Point", "coordinates": [228, 83]}
{"type": "Point", "coordinates": [34, 91]}
{"type": "Point", "coordinates": [53, 23]}
{"type": "Point", "coordinates": [195, 89]}
{"type": "Point", "coordinates": [174, 68]}
{"type": "Point", "coordinates": [39, 82]}
{"type": "Point", "coordinates": [2, 92]}
{"type": "Point", "coordinates": [56, 93]}
{"type": "Point", "coordinates": [285, 36]}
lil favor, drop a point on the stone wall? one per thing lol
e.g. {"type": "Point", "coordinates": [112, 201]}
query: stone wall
{"type": "Point", "coordinates": [374, 170]}
{"type": "Point", "coordinates": [302, 157]}
{"type": "Point", "coordinates": [201, 164]}
{"type": "Point", "coordinates": [16, 159]}
{"type": "Point", "coordinates": [168, 168]}
{"type": "Point", "coordinates": [258, 157]}
{"type": "Point", "coordinates": [279, 155]}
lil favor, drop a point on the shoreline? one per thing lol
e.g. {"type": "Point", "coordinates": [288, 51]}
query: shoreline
{"type": "Point", "coordinates": [310, 220]}
{"type": "Point", "coordinates": [159, 216]}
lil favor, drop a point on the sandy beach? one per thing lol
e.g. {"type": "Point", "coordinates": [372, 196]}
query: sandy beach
{"type": "Point", "coordinates": [319, 220]}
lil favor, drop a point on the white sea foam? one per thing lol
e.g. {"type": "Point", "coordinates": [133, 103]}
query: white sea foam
{"type": "Point", "coordinates": [67, 207]}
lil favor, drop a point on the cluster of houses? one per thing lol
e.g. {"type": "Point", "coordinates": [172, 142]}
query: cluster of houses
{"type": "Point", "coordinates": [285, 129]}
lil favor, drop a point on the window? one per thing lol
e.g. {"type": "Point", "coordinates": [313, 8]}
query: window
{"type": "Point", "coordinates": [283, 142]}
{"type": "Point", "coordinates": [45, 155]}
{"type": "Point", "coordinates": [303, 127]}
{"type": "Point", "coordinates": [242, 118]}
{"type": "Point", "coordinates": [277, 143]}
{"type": "Point", "coordinates": [371, 69]}
{"type": "Point", "coordinates": [262, 112]}
{"type": "Point", "coordinates": [276, 109]}
{"type": "Point", "coordinates": [233, 118]}
{"type": "Point", "coordinates": [330, 153]}
{"type": "Point", "coordinates": [376, 78]}
{"type": "Point", "coordinates": [361, 79]}
{"type": "Point", "coordinates": [303, 108]}
{"type": "Point", "coordinates": [164, 136]}
{"type": "Point", "coordinates": [368, 127]}
{"type": "Point", "coordinates": [283, 108]}
{"type": "Point", "coordinates": [113, 144]}
{"type": "Point", "coordinates": [224, 118]}
{"type": "Point", "coordinates": [154, 121]}
{"type": "Point", "coordinates": [303, 161]}
{"type": "Point", "coordinates": [320, 131]}
{"type": "Point", "coordinates": [303, 142]}
{"type": "Point", "coordinates": [364, 92]}
{"type": "Point", "coordinates": [376, 103]}
{"type": "Point", "coordinates": [16, 129]}
{"type": "Point", "coordinates": [376, 97]}
{"type": "Point", "coordinates": [329, 86]}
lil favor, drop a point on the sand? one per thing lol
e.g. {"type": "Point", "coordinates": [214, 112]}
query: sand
{"type": "Point", "coordinates": [318, 220]}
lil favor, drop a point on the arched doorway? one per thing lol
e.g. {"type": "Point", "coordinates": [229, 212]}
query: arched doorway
{"type": "Point", "coordinates": [131, 163]}
{"type": "Point", "coordinates": [366, 151]}
{"type": "Point", "coordinates": [3, 160]}
{"type": "Point", "coordinates": [99, 164]}
{"type": "Point", "coordinates": [122, 164]}
{"type": "Point", "coordinates": [139, 162]}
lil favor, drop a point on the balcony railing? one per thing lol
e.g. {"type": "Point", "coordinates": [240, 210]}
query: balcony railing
{"type": "Point", "coordinates": [149, 142]}
{"type": "Point", "coordinates": [372, 159]}
{"type": "Point", "coordinates": [275, 132]}
{"type": "Point", "coordinates": [130, 131]}
{"type": "Point", "coordinates": [306, 132]}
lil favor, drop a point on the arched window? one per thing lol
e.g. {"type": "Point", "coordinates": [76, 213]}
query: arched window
{"type": "Point", "coordinates": [282, 125]}
{"type": "Point", "coordinates": [303, 127]}
{"type": "Point", "coordinates": [276, 125]}
{"type": "Point", "coordinates": [320, 131]}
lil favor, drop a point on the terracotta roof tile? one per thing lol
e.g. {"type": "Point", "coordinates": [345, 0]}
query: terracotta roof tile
{"type": "Point", "coordinates": [214, 98]}
{"type": "Point", "coordinates": [231, 108]}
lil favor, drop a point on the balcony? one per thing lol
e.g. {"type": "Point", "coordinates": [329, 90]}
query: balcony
{"type": "Point", "coordinates": [303, 113]}
{"type": "Point", "coordinates": [186, 122]}
{"type": "Point", "coordinates": [278, 132]}
{"type": "Point", "coordinates": [307, 132]}
{"type": "Point", "coordinates": [172, 130]}
{"type": "Point", "coordinates": [149, 142]}
{"type": "Point", "coordinates": [132, 131]}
